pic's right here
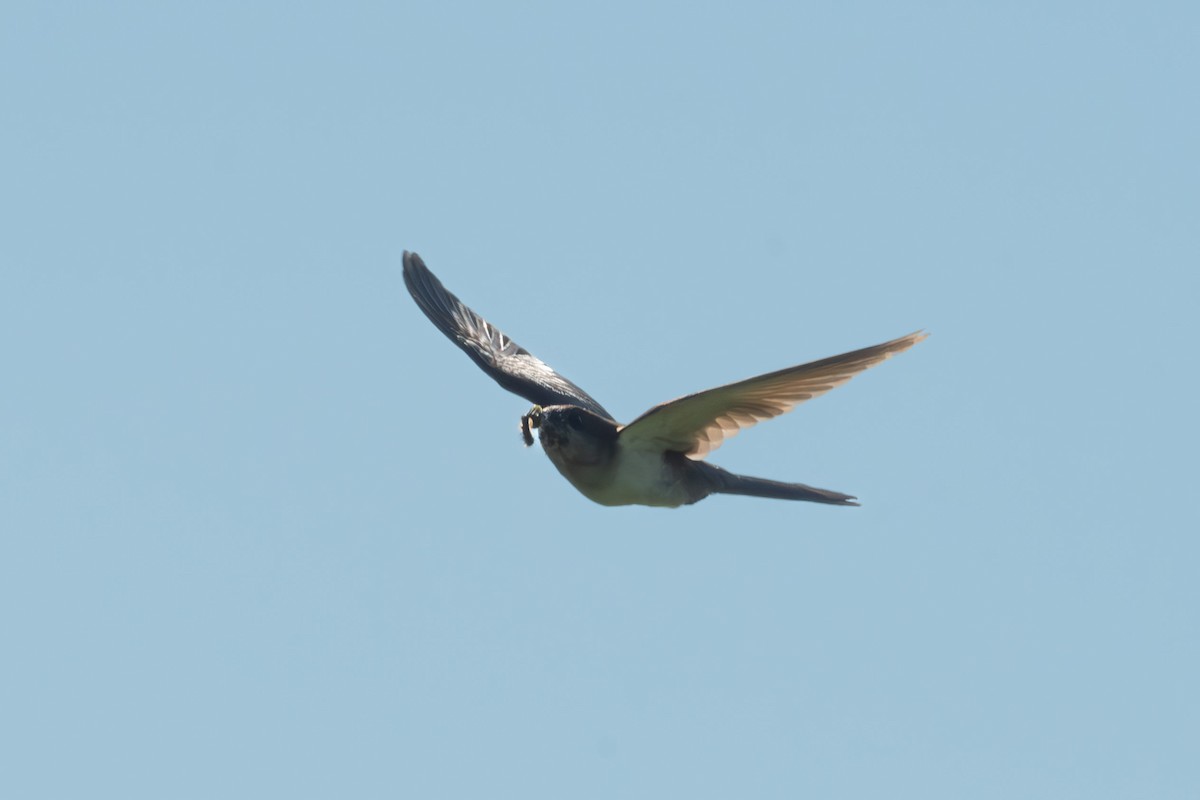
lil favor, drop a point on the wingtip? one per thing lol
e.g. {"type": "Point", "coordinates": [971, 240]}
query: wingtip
{"type": "Point", "coordinates": [905, 342]}
{"type": "Point", "coordinates": [421, 283]}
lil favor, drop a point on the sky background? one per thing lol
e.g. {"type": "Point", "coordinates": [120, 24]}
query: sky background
{"type": "Point", "coordinates": [264, 532]}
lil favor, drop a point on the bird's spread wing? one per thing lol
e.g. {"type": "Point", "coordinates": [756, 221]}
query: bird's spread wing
{"type": "Point", "coordinates": [698, 423]}
{"type": "Point", "coordinates": [511, 365]}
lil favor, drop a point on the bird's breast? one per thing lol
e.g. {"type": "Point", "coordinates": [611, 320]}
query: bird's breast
{"type": "Point", "coordinates": [629, 477]}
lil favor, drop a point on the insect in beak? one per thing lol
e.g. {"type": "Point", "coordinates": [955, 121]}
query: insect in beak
{"type": "Point", "coordinates": [530, 421]}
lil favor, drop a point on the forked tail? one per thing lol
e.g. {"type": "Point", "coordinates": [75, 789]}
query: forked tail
{"type": "Point", "coordinates": [724, 482]}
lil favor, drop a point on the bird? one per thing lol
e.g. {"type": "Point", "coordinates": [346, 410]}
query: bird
{"type": "Point", "coordinates": [658, 458]}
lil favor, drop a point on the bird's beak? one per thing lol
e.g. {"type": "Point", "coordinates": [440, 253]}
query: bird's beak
{"type": "Point", "coordinates": [530, 421]}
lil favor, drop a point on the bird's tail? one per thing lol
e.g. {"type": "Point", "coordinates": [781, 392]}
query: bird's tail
{"type": "Point", "coordinates": [723, 482]}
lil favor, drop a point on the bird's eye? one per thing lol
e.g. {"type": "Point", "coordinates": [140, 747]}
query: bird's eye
{"type": "Point", "coordinates": [575, 421]}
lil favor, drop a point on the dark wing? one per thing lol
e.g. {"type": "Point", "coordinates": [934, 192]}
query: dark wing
{"type": "Point", "coordinates": [698, 423]}
{"type": "Point", "coordinates": [509, 364]}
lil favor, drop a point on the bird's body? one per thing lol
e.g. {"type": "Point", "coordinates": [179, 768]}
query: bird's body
{"type": "Point", "coordinates": [630, 478]}
{"type": "Point", "coordinates": [589, 453]}
{"type": "Point", "coordinates": [656, 460]}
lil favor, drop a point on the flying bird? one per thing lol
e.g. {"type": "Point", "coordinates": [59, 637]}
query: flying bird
{"type": "Point", "coordinates": [656, 460]}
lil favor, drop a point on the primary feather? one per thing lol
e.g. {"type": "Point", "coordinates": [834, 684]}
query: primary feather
{"type": "Point", "coordinates": [697, 424]}
{"type": "Point", "coordinates": [509, 364]}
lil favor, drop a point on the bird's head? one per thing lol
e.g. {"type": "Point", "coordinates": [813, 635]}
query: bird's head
{"type": "Point", "coordinates": [576, 433]}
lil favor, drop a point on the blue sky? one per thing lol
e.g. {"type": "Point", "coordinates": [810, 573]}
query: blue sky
{"type": "Point", "coordinates": [267, 533]}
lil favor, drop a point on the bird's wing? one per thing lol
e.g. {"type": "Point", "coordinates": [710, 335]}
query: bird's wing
{"type": "Point", "coordinates": [509, 364]}
{"type": "Point", "coordinates": [698, 423]}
